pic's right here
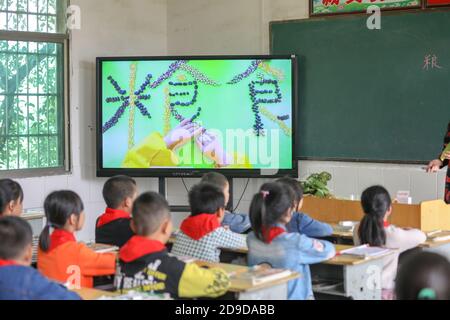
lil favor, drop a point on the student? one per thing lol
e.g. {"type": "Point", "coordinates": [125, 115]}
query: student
{"type": "Point", "coordinates": [301, 222]}
{"type": "Point", "coordinates": [270, 243]}
{"type": "Point", "coordinates": [239, 223]}
{"type": "Point", "coordinates": [11, 198]}
{"type": "Point", "coordinates": [375, 230]}
{"type": "Point", "coordinates": [113, 226]}
{"type": "Point", "coordinates": [201, 235]}
{"type": "Point", "coordinates": [18, 281]}
{"type": "Point", "coordinates": [60, 257]}
{"type": "Point", "coordinates": [145, 265]}
{"type": "Point", "coordinates": [424, 276]}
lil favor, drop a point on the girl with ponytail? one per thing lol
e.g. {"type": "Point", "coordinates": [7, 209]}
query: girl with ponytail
{"type": "Point", "coordinates": [60, 257]}
{"type": "Point", "coordinates": [375, 230]}
{"type": "Point", "coordinates": [270, 243]}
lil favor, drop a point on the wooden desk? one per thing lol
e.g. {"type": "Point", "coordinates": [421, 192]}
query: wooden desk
{"type": "Point", "coordinates": [352, 275]}
{"type": "Point", "coordinates": [272, 290]}
{"type": "Point", "coordinates": [440, 247]}
{"type": "Point", "coordinates": [426, 216]}
{"type": "Point", "coordinates": [349, 277]}
{"type": "Point", "coordinates": [93, 294]}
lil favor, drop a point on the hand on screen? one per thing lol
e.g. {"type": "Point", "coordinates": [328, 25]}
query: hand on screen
{"type": "Point", "coordinates": [211, 147]}
{"type": "Point", "coordinates": [180, 135]}
{"type": "Point", "coordinates": [434, 165]}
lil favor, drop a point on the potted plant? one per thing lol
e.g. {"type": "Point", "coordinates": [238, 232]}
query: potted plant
{"type": "Point", "coordinates": [316, 185]}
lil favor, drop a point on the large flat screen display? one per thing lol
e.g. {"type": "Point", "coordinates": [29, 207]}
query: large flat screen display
{"type": "Point", "coordinates": [183, 116]}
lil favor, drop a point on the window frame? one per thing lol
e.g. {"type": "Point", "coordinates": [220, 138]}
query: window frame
{"type": "Point", "coordinates": [61, 39]}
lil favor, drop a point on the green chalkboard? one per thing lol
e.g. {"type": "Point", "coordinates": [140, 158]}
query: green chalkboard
{"type": "Point", "coordinates": [367, 95]}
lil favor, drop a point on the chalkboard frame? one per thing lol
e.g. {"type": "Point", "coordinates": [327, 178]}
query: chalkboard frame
{"type": "Point", "coordinates": [337, 16]}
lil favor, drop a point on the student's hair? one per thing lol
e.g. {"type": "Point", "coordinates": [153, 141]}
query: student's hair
{"type": "Point", "coordinates": [424, 276]}
{"type": "Point", "coordinates": [149, 211]}
{"type": "Point", "coordinates": [206, 198]}
{"type": "Point", "coordinates": [269, 205]}
{"type": "Point", "coordinates": [215, 178]}
{"type": "Point", "coordinates": [117, 189]}
{"type": "Point", "coordinates": [11, 191]}
{"type": "Point", "coordinates": [295, 186]}
{"type": "Point", "coordinates": [15, 236]}
{"type": "Point", "coordinates": [58, 207]}
{"type": "Point", "coordinates": [375, 202]}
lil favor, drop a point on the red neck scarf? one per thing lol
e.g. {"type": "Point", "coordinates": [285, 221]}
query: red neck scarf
{"type": "Point", "coordinates": [138, 247]}
{"type": "Point", "coordinates": [200, 225]}
{"type": "Point", "coordinates": [59, 237]}
{"type": "Point", "coordinates": [270, 234]}
{"type": "Point", "coordinates": [7, 263]}
{"type": "Point", "coordinates": [111, 215]}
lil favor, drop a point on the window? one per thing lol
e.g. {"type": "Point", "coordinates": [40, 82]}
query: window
{"type": "Point", "coordinates": [33, 85]}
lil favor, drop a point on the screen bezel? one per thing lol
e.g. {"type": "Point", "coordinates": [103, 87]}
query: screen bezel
{"type": "Point", "coordinates": [186, 172]}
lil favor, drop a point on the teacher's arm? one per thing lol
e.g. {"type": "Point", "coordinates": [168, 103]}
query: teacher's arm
{"type": "Point", "coordinates": [437, 164]}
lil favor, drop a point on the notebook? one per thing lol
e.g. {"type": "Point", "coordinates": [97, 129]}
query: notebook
{"type": "Point", "coordinates": [438, 235]}
{"type": "Point", "coordinates": [102, 248]}
{"type": "Point", "coordinates": [261, 274]}
{"type": "Point", "coordinates": [345, 226]}
{"type": "Point", "coordinates": [365, 251]}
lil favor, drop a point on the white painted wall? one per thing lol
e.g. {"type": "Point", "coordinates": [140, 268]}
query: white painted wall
{"type": "Point", "coordinates": [108, 27]}
{"type": "Point", "coordinates": [159, 27]}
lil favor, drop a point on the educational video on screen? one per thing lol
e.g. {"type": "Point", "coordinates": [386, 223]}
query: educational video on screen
{"type": "Point", "coordinates": [197, 114]}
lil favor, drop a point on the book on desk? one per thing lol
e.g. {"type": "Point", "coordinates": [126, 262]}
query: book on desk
{"type": "Point", "coordinates": [365, 251]}
{"type": "Point", "coordinates": [260, 274]}
{"type": "Point", "coordinates": [438, 235]}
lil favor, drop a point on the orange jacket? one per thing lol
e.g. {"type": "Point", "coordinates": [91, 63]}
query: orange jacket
{"type": "Point", "coordinates": [76, 263]}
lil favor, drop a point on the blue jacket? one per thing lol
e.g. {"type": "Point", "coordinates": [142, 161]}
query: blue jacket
{"type": "Point", "coordinates": [26, 283]}
{"type": "Point", "coordinates": [292, 251]}
{"type": "Point", "coordinates": [304, 224]}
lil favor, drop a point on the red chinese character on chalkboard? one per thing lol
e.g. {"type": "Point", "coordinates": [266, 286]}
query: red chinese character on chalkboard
{"type": "Point", "coordinates": [350, 1]}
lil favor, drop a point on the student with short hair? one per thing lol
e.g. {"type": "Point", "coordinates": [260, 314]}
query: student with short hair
{"type": "Point", "coordinates": [19, 281]}
{"type": "Point", "coordinates": [145, 264]}
{"type": "Point", "coordinates": [301, 222]}
{"type": "Point", "coordinates": [113, 226]}
{"type": "Point", "coordinates": [271, 243]}
{"type": "Point", "coordinates": [423, 276]}
{"type": "Point", "coordinates": [11, 198]}
{"type": "Point", "coordinates": [375, 230]}
{"type": "Point", "coordinates": [60, 256]}
{"type": "Point", "coordinates": [201, 235]}
{"type": "Point", "coordinates": [237, 222]}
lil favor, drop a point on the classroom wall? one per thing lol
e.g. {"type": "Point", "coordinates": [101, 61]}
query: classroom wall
{"type": "Point", "coordinates": [242, 27]}
{"type": "Point", "coordinates": [108, 27]}
{"type": "Point", "coordinates": [159, 27]}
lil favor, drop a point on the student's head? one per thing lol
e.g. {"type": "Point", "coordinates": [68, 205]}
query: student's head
{"type": "Point", "coordinates": [63, 210]}
{"type": "Point", "coordinates": [377, 206]}
{"type": "Point", "coordinates": [424, 276]}
{"type": "Point", "coordinates": [207, 198]}
{"type": "Point", "coordinates": [220, 181]}
{"type": "Point", "coordinates": [11, 198]}
{"type": "Point", "coordinates": [296, 187]}
{"type": "Point", "coordinates": [273, 204]}
{"type": "Point", "coordinates": [151, 216]}
{"type": "Point", "coordinates": [16, 240]}
{"type": "Point", "coordinates": [119, 192]}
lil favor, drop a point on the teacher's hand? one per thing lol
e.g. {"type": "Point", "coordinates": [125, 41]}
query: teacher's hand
{"type": "Point", "coordinates": [434, 165]}
{"type": "Point", "coordinates": [447, 155]}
